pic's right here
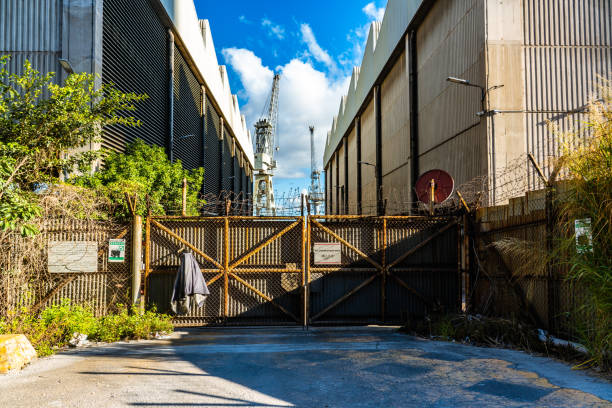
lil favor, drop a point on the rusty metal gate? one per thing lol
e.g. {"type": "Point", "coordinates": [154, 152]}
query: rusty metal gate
{"type": "Point", "coordinates": [391, 269]}
{"type": "Point", "coordinates": [264, 271]}
{"type": "Point", "coordinates": [254, 267]}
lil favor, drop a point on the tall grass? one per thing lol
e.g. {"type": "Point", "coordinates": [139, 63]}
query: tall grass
{"type": "Point", "coordinates": [587, 159]}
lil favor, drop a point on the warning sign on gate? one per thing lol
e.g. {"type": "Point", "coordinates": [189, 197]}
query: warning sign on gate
{"type": "Point", "coordinates": [116, 250]}
{"type": "Point", "coordinates": [327, 253]}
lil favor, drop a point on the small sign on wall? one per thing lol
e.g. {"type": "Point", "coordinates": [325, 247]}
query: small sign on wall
{"type": "Point", "coordinates": [584, 235]}
{"type": "Point", "coordinates": [327, 253]}
{"type": "Point", "coordinates": [116, 250]}
{"type": "Point", "coordinates": [72, 256]}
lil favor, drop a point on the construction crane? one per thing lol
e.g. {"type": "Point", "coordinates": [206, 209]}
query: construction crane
{"type": "Point", "coordinates": [315, 195]}
{"type": "Point", "coordinates": [265, 147]}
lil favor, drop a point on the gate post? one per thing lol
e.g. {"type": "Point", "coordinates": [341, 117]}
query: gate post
{"type": "Point", "coordinates": [136, 257]}
{"type": "Point", "coordinates": [226, 256]}
{"type": "Point", "coordinates": [464, 254]}
{"type": "Point", "coordinates": [383, 289]}
{"type": "Point", "coordinates": [305, 267]}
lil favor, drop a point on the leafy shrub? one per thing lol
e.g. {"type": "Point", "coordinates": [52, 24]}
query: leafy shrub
{"type": "Point", "coordinates": [40, 122]}
{"type": "Point", "coordinates": [145, 170]}
{"type": "Point", "coordinates": [56, 325]}
{"type": "Point", "coordinates": [129, 324]}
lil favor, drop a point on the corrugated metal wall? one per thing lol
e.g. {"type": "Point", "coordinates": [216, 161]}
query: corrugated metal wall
{"type": "Point", "coordinates": [450, 42]}
{"type": "Point", "coordinates": [368, 154]}
{"type": "Point", "coordinates": [562, 63]}
{"type": "Point", "coordinates": [212, 162]}
{"type": "Point", "coordinates": [32, 30]}
{"type": "Point", "coordinates": [135, 59]}
{"type": "Point", "coordinates": [396, 137]}
{"type": "Point", "coordinates": [188, 143]}
{"type": "Point", "coordinates": [341, 179]}
{"type": "Point", "coordinates": [352, 171]}
{"type": "Point", "coordinates": [228, 164]}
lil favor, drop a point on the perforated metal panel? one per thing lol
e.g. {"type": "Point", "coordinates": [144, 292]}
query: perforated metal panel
{"type": "Point", "coordinates": [135, 59]}
{"type": "Point", "coordinates": [211, 150]}
{"type": "Point", "coordinates": [188, 144]}
{"type": "Point", "coordinates": [228, 165]}
{"type": "Point", "coordinates": [237, 176]}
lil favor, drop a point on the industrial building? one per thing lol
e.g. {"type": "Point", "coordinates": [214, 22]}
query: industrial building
{"type": "Point", "coordinates": [516, 65]}
{"type": "Point", "coordinates": [153, 47]}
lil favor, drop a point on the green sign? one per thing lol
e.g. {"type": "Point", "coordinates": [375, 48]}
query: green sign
{"type": "Point", "coordinates": [116, 250]}
{"type": "Point", "coordinates": [584, 235]}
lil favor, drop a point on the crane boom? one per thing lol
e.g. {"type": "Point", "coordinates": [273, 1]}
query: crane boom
{"type": "Point", "coordinates": [315, 195]}
{"type": "Point", "coordinates": [266, 145]}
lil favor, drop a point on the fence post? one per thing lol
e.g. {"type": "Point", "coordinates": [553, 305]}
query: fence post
{"type": "Point", "coordinates": [383, 285]}
{"type": "Point", "coordinates": [552, 284]}
{"type": "Point", "coordinates": [136, 257]}
{"type": "Point", "coordinates": [304, 271]}
{"type": "Point", "coordinates": [184, 211]}
{"type": "Point", "coordinates": [552, 292]}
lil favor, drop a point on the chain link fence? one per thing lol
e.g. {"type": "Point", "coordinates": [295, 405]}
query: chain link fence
{"type": "Point", "coordinates": [28, 283]}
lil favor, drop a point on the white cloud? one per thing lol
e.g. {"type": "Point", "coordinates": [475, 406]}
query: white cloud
{"type": "Point", "coordinates": [274, 30]}
{"type": "Point", "coordinates": [307, 97]}
{"type": "Point", "coordinates": [373, 12]}
{"type": "Point", "coordinates": [315, 49]}
{"type": "Point", "coordinates": [244, 20]}
{"type": "Point", "coordinates": [359, 36]}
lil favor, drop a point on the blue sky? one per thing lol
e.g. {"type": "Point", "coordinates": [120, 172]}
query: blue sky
{"type": "Point", "coordinates": [314, 44]}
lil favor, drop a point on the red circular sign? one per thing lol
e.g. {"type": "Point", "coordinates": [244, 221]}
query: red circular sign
{"type": "Point", "coordinates": [443, 185]}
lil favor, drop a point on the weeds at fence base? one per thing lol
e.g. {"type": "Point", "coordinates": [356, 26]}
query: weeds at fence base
{"type": "Point", "coordinates": [498, 332]}
{"type": "Point", "coordinates": [53, 328]}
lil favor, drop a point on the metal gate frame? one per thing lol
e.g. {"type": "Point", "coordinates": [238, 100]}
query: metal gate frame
{"type": "Point", "coordinates": [387, 268]}
{"type": "Point", "coordinates": [228, 269]}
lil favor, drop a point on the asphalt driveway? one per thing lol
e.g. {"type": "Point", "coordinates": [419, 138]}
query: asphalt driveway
{"type": "Point", "coordinates": [286, 367]}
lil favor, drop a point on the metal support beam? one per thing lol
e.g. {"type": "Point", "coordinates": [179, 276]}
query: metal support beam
{"type": "Point", "coordinates": [359, 187]}
{"type": "Point", "coordinates": [346, 177]}
{"type": "Point", "coordinates": [379, 184]}
{"type": "Point", "coordinates": [170, 147]}
{"type": "Point", "coordinates": [337, 183]}
{"type": "Point", "coordinates": [414, 115]}
{"type": "Point", "coordinates": [136, 257]}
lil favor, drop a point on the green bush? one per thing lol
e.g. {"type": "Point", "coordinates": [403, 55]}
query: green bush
{"type": "Point", "coordinates": [40, 121]}
{"type": "Point", "coordinates": [145, 170]}
{"type": "Point", "coordinates": [55, 325]}
{"type": "Point", "coordinates": [129, 324]}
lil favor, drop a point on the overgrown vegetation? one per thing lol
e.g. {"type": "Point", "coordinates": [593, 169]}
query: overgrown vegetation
{"type": "Point", "coordinates": [589, 165]}
{"type": "Point", "coordinates": [56, 325]}
{"type": "Point", "coordinates": [491, 332]}
{"type": "Point", "coordinates": [583, 200]}
{"type": "Point", "coordinates": [43, 129]}
{"type": "Point", "coordinates": [144, 170]}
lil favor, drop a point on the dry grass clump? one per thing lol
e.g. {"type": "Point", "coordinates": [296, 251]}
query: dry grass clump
{"type": "Point", "coordinates": [23, 260]}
